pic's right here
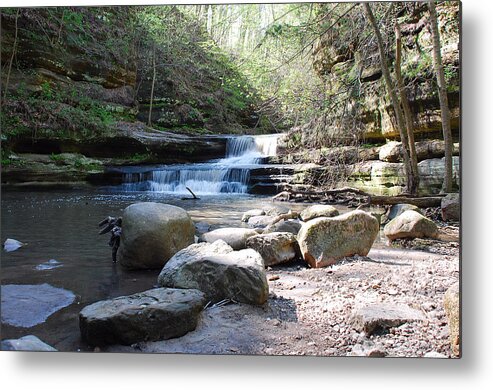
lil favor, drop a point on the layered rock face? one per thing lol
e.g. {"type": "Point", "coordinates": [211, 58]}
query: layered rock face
{"type": "Point", "coordinates": [376, 170]}
{"type": "Point", "coordinates": [342, 57]}
{"type": "Point", "coordinates": [77, 83]}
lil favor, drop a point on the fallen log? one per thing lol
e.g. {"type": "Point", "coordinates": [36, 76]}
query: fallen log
{"type": "Point", "coordinates": [289, 215]}
{"type": "Point", "coordinates": [194, 196]}
{"type": "Point", "coordinates": [324, 196]}
{"type": "Point", "coordinates": [422, 202]}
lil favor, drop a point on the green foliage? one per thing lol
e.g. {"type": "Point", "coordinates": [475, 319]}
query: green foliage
{"type": "Point", "coordinates": [11, 125]}
{"type": "Point", "coordinates": [57, 158]}
{"type": "Point", "coordinates": [294, 140]}
{"type": "Point", "coordinates": [420, 67]}
{"type": "Point", "coordinates": [235, 95]}
{"type": "Point", "coordinates": [140, 157]}
{"type": "Point", "coordinates": [56, 112]}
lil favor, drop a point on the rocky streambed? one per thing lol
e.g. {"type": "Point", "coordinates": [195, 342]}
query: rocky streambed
{"type": "Point", "coordinates": [386, 301]}
{"type": "Point", "coordinates": [310, 311]}
{"type": "Point", "coordinates": [390, 303]}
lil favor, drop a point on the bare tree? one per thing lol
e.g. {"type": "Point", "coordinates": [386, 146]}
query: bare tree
{"type": "Point", "coordinates": [411, 185]}
{"type": "Point", "coordinates": [14, 48]}
{"type": "Point", "coordinates": [408, 117]}
{"type": "Point", "coordinates": [442, 95]}
{"type": "Point", "coordinates": [149, 121]}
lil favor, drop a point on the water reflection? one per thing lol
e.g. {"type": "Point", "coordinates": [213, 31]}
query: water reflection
{"type": "Point", "coordinates": [63, 225]}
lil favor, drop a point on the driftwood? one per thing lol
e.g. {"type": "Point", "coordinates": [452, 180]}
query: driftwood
{"type": "Point", "coordinates": [354, 195]}
{"type": "Point", "coordinates": [422, 202]}
{"type": "Point", "coordinates": [194, 196]}
{"type": "Point", "coordinates": [281, 217]}
{"type": "Point", "coordinates": [113, 225]}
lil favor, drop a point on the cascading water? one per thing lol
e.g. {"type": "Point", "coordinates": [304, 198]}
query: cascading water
{"type": "Point", "coordinates": [227, 175]}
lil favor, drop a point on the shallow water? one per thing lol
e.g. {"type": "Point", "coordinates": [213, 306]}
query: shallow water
{"type": "Point", "coordinates": [62, 226]}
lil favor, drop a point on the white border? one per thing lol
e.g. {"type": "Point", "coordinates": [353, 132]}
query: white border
{"type": "Point", "coordinates": [474, 371]}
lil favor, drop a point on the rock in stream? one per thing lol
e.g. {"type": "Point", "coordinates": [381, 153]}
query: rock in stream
{"type": "Point", "coordinates": [26, 305]}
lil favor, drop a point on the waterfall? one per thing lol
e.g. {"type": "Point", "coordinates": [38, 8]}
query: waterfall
{"type": "Point", "coordinates": [228, 175]}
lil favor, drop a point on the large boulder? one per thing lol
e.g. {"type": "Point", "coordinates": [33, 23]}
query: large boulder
{"type": "Point", "coordinates": [219, 272]}
{"type": "Point", "coordinates": [323, 241]}
{"type": "Point", "coordinates": [451, 207]}
{"type": "Point", "coordinates": [410, 224]}
{"type": "Point", "coordinates": [157, 314]}
{"type": "Point", "coordinates": [26, 343]}
{"type": "Point", "coordinates": [275, 248]}
{"type": "Point", "coordinates": [318, 210]}
{"type": "Point", "coordinates": [152, 233]}
{"type": "Point", "coordinates": [234, 237]}
{"type": "Point", "coordinates": [451, 303]}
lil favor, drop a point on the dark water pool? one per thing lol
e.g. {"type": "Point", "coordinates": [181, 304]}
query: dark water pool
{"type": "Point", "coordinates": [62, 226]}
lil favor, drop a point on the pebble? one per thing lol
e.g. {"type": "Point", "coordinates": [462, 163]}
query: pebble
{"type": "Point", "coordinates": [434, 354]}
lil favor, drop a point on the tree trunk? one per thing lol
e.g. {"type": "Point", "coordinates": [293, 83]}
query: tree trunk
{"type": "Point", "coordinates": [14, 48]}
{"type": "Point", "coordinates": [442, 95]}
{"type": "Point", "coordinates": [408, 117]}
{"type": "Point", "coordinates": [149, 120]}
{"type": "Point", "coordinates": [395, 101]}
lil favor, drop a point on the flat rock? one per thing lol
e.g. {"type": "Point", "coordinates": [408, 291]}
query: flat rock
{"type": "Point", "coordinates": [275, 248]}
{"type": "Point", "coordinates": [11, 245]}
{"type": "Point", "coordinates": [410, 224]}
{"type": "Point", "coordinates": [317, 211]}
{"type": "Point", "coordinates": [379, 317]}
{"type": "Point", "coordinates": [157, 314]}
{"type": "Point", "coordinates": [234, 237]}
{"type": "Point", "coordinates": [219, 272]}
{"type": "Point", "coordinates": [27, 305]}
{"type": "Point", "coordinates": [26, 343]}
{"type": "Point", "coordinates": [323, 241]}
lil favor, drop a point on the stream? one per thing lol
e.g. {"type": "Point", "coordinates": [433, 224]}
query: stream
{"type": "Point", "coordinates": [65, 251]}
